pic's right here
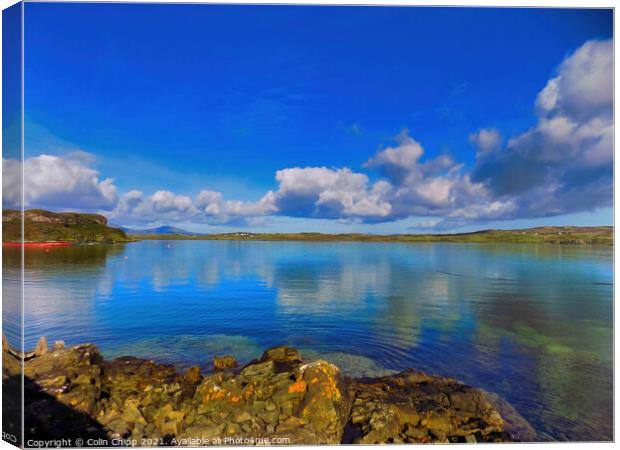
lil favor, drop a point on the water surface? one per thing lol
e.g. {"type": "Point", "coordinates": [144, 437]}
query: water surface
{"type": "Point", "coordinates": [532, 323]}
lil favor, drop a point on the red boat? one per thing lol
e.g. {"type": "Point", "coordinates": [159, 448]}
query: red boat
{"type": "Point", "coordinates": [37, 244]}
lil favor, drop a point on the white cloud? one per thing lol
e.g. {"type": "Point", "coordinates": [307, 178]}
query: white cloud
{"type": "Point", "coordinates": [485, 140]}
{"type": "Point", "coordinates": [397, 163]}
{"type": "Point", "coordinates": [128, 202]}
{"type": "Point", "coordinates": [166, 201]}
{"type": "Point", "coordinates": [207, 207]}
{"type": "Point", "coordinates": [324, 192]}
{"type": "Point", "coordinates": [213, 205]}
{"type": "Point", "coordinates": [58, 182]}
{"type": "Point", "coordinates": [584, 85]}
{"type": "Point", "coordinates": [564, 163]}
{"type": "Point", "coordinates": [432, 187]}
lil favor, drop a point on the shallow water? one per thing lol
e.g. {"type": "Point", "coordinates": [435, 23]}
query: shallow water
{"type": "Point", "coordinates": [532, 323]}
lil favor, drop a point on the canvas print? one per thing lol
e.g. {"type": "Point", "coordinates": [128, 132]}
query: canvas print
{"type": "Point", "coordinates": [301, 224]}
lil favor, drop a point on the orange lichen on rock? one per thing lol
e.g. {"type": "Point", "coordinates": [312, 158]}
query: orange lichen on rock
{"type": "Point", "coordinates": [248, 391]}
{"type": "Point", "coordinates": [308, 402]}
{"type": "Point", "coordinates": [298, 386]}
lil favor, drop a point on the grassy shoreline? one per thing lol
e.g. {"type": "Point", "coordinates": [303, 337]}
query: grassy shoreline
{"type": "Point", "coordinates": [41, 226]}
{"type": "Point", "coordinates": [550, 235]}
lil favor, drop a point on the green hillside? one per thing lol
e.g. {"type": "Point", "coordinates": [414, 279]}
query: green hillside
{"type": "Point", "coordinates": [47, 226]}
{"type": "Point", "coordinates": [551, 235]}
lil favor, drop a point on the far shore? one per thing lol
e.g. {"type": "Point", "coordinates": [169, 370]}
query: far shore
{"type": "Point", "coordinates": [41, 228]}
{"type": "Point", "coordinates": [551, 235]}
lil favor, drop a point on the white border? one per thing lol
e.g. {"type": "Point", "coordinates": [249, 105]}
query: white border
{"type": "Point", "coordinates": [479, 3]}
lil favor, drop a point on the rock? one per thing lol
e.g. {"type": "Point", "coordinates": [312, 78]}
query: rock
{"type": "Point", "coordinates": [280, 396]}
{"type": "Point", "coordinates": [326, 403]}
{"type": "Point", "coordinates": [41, 348]}
{"type": "Point", "coordinates": [54, 385]}
{"type": "Point", "coordinates": [264, 369]}
{"type": "Point", "coordinates": [470, 439]}
{"type": "Point", "coordinates": [232, 429]}
{"type": "Point", "coordinates": [59, 345]}
{"type": "Point", "coordinates": [418, 434]}
{"type": "Point", "coordinates": [224, 362]}
{"type": "Point", "coordinates": [169, 428]}
{"type": "Point", "coordinates": [138, 431]}
{"type": "Point", "coordinates": [132, 414]}
{"type": "Point", "coordinates": [193, 375]}
{"type": "Point", "coordinates": [270, 417]}
{"type": "Point", "coordinates": [5, 343]}
{"type": "Point", "coordinates": [202, 432]}
{"type": "Point", "coordinates": [270, 406]}
{"type": "Point", "coordinates": [513, 423]}
{"type": "Point", "coordinates": [281, 354]}
{"type": "Point", "coordinates": [423, 408]}
{"type": "Point", "coordinates": [298, 387]}
{"type": "Point", "coordinates": [242, 417]}
{"type": "Point", "coordinates": [119, 426]}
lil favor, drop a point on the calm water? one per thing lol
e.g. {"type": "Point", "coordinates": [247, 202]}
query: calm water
{"type": "Point", "coordinates": [532, 323]}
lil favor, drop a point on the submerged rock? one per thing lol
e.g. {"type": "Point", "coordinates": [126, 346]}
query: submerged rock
{"type": "Point", "coordinates": [224, 362]}
{"type": "Point", "coordinates": [281, 354]}
{"type": "Point", "coordinates": [278, 396]}
{"type": "Point", "coordinates": [414, 407]}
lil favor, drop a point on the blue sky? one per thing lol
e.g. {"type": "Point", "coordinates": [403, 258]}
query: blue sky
{"type": "Point", "coordinates": [183, 99]}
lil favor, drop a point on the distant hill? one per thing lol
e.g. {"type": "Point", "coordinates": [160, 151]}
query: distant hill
{"type": "Point", "coordinates": [166, 229]}
{"type": "Point", "coordinates": [602, 235]}
{"type": "Point", "coordinates": [47, 226]}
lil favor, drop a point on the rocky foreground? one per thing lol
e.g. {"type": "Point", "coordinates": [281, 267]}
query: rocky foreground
{"type": "Point", "coordinates": [279, 399]}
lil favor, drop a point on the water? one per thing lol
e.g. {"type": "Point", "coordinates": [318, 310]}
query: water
{"type": "Point", "coordinates": [532, 323]}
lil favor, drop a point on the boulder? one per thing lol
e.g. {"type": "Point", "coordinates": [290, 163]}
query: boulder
{"type": "Point", "coordinates": [326, 402]}
{"type": "Point", "coordinates": [281, 354]}
{"type": "Point", "coordinates": [514, 424]}
{"type": "Point", "coordinates": [415, 407]}
{"type": "Point", "coordinates": [5, 343]}
{"type": "Point", "coordinates": [278, 396]}
{"type": "Point", "coordinates": [224, 362]}
{"type": "Point", "coordinates": [193, 375]}
{"type": "Point", "coordinates": [41, 348]}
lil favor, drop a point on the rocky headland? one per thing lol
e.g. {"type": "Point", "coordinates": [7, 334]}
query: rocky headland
{"type": "Point", "coordinates": [46, 226]}
{"type": "Point", "coordinates": [73, 392]}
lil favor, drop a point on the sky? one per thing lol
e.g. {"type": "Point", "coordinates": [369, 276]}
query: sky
{"type": "Point", "coordinates": [306, 118]}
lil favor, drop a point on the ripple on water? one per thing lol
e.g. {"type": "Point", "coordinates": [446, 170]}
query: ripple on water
{"type": "Point", "coordinates": [531, 323]}
{"type": "Point", "coordinates": [188, 350]}
{"type": "Point", "coordinates": [354, 366]}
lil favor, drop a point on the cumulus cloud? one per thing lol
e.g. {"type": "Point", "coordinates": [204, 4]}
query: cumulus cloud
{"type": "Point", "coordinates": [328, 193]}
{"type": "Point", "coordinates": [213, 205]}
{"type": "Point", "coordinates": [427, 187]}
{"type": "Point", "coordinates": [207, 207]}
{"type": "Point", "coordinates": [166, 201]}
{"type": "Point", "coordinates": [54, 181]}
{"type": "Point", "coordinates": [485, 140]}
{"type": "Point", "coordinates": [397, 163]}
{"type": "Point", "coordinates": [584, 84]}
{"type": "Point", "coordinates": [564, 163]}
